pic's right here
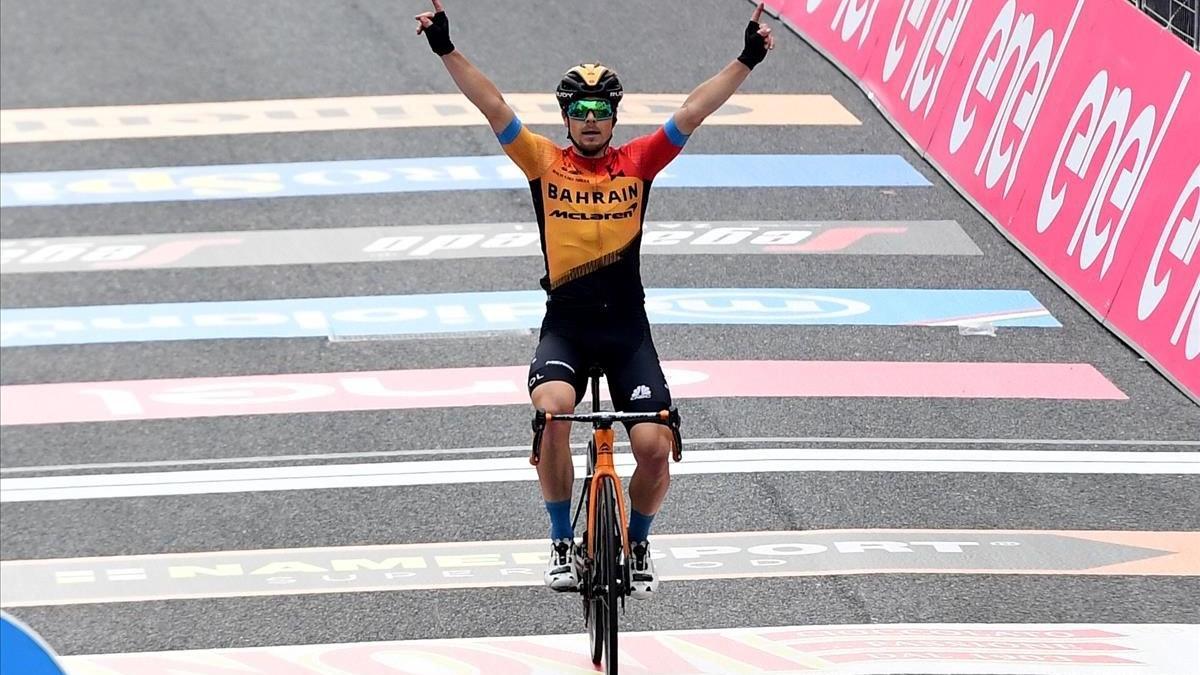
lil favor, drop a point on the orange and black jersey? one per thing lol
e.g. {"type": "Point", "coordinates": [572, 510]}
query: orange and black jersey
{"type": "Point", "coordinates": [590, 212]}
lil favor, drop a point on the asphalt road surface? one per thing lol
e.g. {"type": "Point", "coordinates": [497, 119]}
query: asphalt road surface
{"type": "Point", "coordinates": [71, 53]}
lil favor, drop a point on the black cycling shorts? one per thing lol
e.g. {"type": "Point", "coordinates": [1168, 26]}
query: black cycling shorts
{"type": "Point", "coordinates": [621, 345]}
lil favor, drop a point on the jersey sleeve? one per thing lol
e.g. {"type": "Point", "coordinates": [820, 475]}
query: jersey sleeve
{"type": "Point", "coordinates": [653, 152]}
{"type": "Point", "coordinates": [532, 153]}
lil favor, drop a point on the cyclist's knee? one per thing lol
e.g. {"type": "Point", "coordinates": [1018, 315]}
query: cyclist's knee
{"type": "Point", "coordinates": [556, 398]}
{"type": "Point", "coordinates": [651, 444]}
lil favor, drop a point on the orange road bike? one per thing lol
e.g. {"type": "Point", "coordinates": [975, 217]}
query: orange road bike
{"type": "Point", "coordinates": [604, 579]}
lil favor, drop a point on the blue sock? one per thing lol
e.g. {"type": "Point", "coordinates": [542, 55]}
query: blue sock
{"type": "Point", "coordinates": [560, 519]}
{"type": "Point", "coordinates": [639, 525]}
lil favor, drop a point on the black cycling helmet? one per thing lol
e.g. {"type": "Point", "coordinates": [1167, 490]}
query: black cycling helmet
{"type": "Point", "coordinates": [589, 80]}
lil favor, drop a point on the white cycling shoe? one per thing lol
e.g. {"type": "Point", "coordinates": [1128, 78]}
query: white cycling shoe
{"type": "Point", "coordinates": [561, 574]}
{"type": "Point", "coordinates": [643, 582]}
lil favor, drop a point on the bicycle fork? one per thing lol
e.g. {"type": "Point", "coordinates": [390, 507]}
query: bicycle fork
{"type": "Point", "coordinates": [603, 440]}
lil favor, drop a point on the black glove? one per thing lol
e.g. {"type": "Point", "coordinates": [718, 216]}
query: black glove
{"type": "Point", "coordinates": [438, 35]}
{"type": "Point", "coordinates": [756, 47]}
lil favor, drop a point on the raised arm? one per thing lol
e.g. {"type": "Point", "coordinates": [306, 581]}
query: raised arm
{"type": "Point", "coordinates": [712, 94]}
{"type": "Point", "coordinates": [478, 89]}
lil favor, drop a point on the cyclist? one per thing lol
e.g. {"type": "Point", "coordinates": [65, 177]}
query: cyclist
{"type": "Point", "coordinates": [590, 201]}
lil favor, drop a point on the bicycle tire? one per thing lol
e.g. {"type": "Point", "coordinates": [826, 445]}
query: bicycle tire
{"type": "Point", "coordinates": [593, 606]}
{"type": "Point", "coordinates": [593, 616]}
{"type": "Point", "coordinates": [596, 630]}
{"type": "Point", "coordinates": [608, 552]}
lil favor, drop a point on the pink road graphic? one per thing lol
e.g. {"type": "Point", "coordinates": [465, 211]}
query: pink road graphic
{"type": "Point", "coordinates": [505, 385]}
{"type": "Point", "coordinates": [836, 240]}
{"type": "Point", "coordinates": [930, 648]}
{"type": "Point", "coordinates": [165, 254]}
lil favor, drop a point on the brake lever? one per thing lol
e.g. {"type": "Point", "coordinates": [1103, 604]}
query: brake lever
{"type": "Point", "coordinates": [539, 425]}
{"type": "Point", "coordinates": [674, 421]}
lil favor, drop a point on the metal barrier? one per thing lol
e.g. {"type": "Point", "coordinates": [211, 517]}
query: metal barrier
{"type": "Point", "coordinates": [1181, 16]}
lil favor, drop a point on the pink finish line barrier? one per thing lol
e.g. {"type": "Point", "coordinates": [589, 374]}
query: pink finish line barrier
{"type": "Point", "coordinates": [1074, 125]}
{"type": "Point", "coordinates": [451, 387]}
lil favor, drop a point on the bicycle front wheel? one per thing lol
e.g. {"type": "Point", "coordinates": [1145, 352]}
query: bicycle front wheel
{"type": "Point", "coordinates": [594, 606]}
{"type": "Point", "coordinates": [608, 557]}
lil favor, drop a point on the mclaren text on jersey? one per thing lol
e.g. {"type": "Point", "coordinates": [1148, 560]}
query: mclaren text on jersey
{"type": "Point", "coordinates": [583, 215]}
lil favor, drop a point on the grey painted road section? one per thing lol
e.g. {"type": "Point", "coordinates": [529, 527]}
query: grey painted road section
{"type": "Point", "coordinates": [490, 564]}
{"type": "Point", "coordinates": [481, 240]}
{"type": "Point", "coordinates": [119, 53]}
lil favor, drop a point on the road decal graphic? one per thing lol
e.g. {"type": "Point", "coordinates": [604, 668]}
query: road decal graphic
{"type": "Point", "coordinates": [880, 649]}
{"type": "Point", "coordinates": [423, 174]}
{"type": "Point", "coordinates": [431, 314]}
{"type": "Point", "coordinates": [505, 385]}
{"type": "Point", "coordinates": [40, 125]}
{"type": "Point", "coordinates": [479, 240]}
{"type": "Point", "coordinates": [723, 555]}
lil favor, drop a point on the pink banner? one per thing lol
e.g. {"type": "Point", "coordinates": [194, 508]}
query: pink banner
{"type": "Point", "coordinates": [842, 29]}
{"type": "Point", "coordinates": [453, 387]}
{"type": "Point", "coordinates": [1158, 302]}
{"type": "Point", "coordinates": [1073, 125]}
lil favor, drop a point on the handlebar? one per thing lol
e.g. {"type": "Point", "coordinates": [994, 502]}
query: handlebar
{"type": "Point", "coordinates": [600, 418]}
{"type": "Point", "coordinates": [603, 420]}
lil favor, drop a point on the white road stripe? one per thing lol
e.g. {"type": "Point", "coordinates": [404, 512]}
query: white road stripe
{"type": "Point", "coordinates": [988, 318]}
{"type": "Point", "coordinates": [691, 442]}
{"type": "Point", "coordinates": [506, 469]}
{"type": "Point", "coordinates": [264, 459]}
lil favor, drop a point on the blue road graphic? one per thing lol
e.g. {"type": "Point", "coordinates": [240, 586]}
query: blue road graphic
{"type": "Point", "coordinates": [22, 651]}
{"type": "Point", "coordinates": [443, 313]}
{"type": "Point", "coordinates": [249, 181]}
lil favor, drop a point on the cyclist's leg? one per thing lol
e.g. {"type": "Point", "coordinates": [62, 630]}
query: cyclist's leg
{"type": "Point", "coordinates": [638, 385]}
{"type": "Point", "coordinates": [554, 387]}
{"type": "Point", "coordinates": [557, 380]}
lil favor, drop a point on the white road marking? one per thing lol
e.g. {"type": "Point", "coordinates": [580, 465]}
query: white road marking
{"type": "Point", "coordinates": [988, 319]}
{"type": "Point", "coordinates": [689, 442]}
{"type": "Point", "coordinates": [507, 469]}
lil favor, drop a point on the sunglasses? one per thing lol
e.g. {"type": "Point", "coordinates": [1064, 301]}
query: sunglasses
{"type": "Point", "coordinates": [602, 110]}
